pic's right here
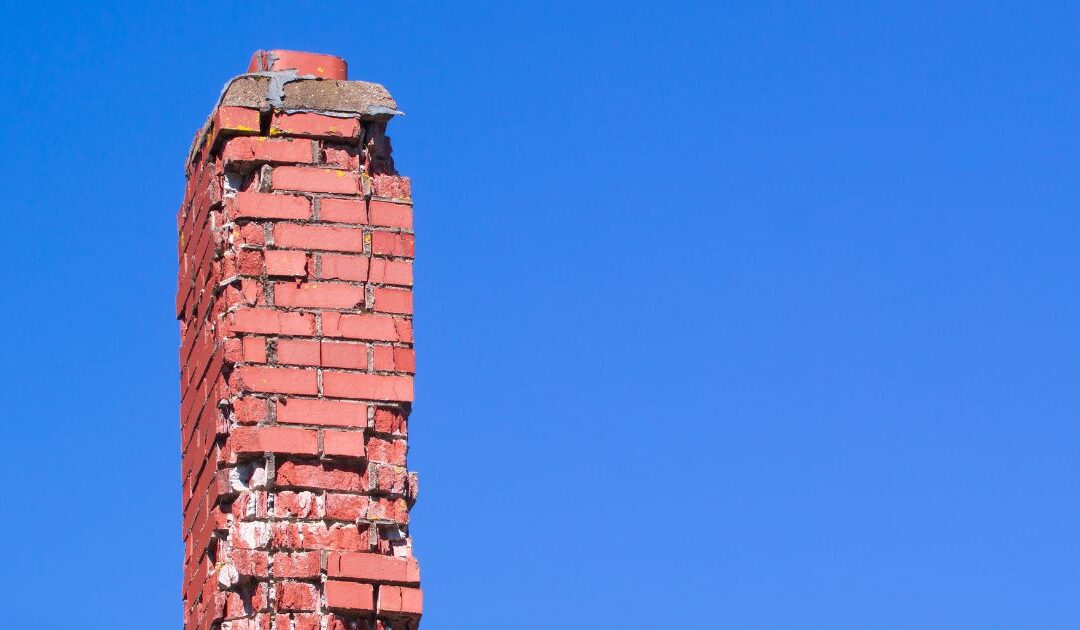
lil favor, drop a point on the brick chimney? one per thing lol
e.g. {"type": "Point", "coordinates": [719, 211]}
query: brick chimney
{"type": "Point", "coordinates": [295, 307]}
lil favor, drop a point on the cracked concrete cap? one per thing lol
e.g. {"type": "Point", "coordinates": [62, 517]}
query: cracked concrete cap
{"type": "Point", "coordinates": [290, 81]}
{"type": "Point", "coordinates": [368, 100]}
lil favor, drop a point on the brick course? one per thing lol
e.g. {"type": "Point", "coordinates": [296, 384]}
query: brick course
{"type": "Point", "coordinates": [296, 358]}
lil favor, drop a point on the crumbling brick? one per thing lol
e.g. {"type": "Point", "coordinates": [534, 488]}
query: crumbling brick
{"type": "Point", "coordinates": [294, 297]}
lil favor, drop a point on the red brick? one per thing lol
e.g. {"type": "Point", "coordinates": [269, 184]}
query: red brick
{"type": "Point", "coordinates": [263, 149]}
{"type": "Point", "coordinates": [251, 290]}
{"type": "Point", "coordinates": [254, 205]}
{"type": "Point", "coordinates": [312, 536]}
{"type": "Point", "coordinates": [387, 451]}
{"type": "Point", "coordinates": [249, 234]}
{"type": "Point", "coordinates": [346, 507]}
{"type": "Point", "coordinates": [390, 421]}
{"type": "Point", "coordinates": [338, 413]}
{"type": "Point", "coordinates": [391, 479]}
{"type": "Point", "coordinates": [401, 599]}
{"type": "Point", "coordinates": [323, 180]}
{"type": "Point", "coordinates": [344, 267]}
{"type": "Point", "coordinates": [326, 354]}
{"type": "Point", "coordinates": [366, 327]}
{"type": "Point", "coordinates": [353, 356]}
{"type": "Point", "coordinates": [314, 125]}
{"type": "Point", "coordinates": [234, 350]}
{"type": "Point", "coordinates": [234, 605]}
{"type": "Point", "coordinates": [391, 271]}
{"type": "Point", "coordinates": [286, 263]}
{"type": "Point", "coordinates": [341, 210]}
{"type": "Point", "coordinates": [250, 562]}
{"type": "Point", "coordinates": [249, 262]}
{"type": "Point", "coordinates": [398, 301]}
{"type": "Point", "coordinates": [237, 119]}
{"type": "Point", "coordinates": [296, 565]}
{"type": "Point", "coordinates": [254, 349]}
{"type": "Point", "coordinates": [392, 244]}
{"type": "Point", "coordinates": [396, 510]}
{"type": "Point", "coordinates": [405, 360]}
{"type": "Point", "coordinates": [323, 295]}
{"type": "Point", "coordinates": [343, 443]}
{"type": "Point", "coordinates": [298, 352]}
{"type": "Point", "coordinates": [251, 505]}
{"type": "Point", "coordinates": [389, 214]}
{"type": "Point", "coordinates": [271, 322]}
{"type": "Point", "coordinates": [383, 358]}
{"type": "Point", "coordinates": [392, 186]}
{"type": "Point", "coordinates": [246, 440]}
{"type": "Point", "coordinates": [249, 410]}
{"type": "Point", "coordinates": [319, 476]}
{"type": "Point", "coordinates": [373, 567]}
{"type": "Point", "coordinates": [344, 157]}
{"type": "Point", "coordinates": [296, 596]}
{"type": "Point", "coordinates": [368, 386]}
{"type": "Point", "coordinates": [349, 596]}
{"type": "Point", "coordinates": [319, 237]}
{"type": "Point", "coordinates": [303, 504]}
{"type": "Point", "coordinates": [275, 380]}
{"type": "Point", "coordinates": [305, 63]}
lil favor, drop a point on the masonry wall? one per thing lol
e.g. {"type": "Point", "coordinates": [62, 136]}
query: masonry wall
{"type": "Point", "coordinates": [297, 361]}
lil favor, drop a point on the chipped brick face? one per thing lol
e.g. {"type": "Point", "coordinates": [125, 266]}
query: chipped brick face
{"type": "Point", "coordinates": [295, 308]}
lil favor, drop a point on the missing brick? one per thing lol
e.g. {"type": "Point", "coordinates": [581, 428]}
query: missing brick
{"type": "Point", "coordinates": [234, 182]}
{"type": "Point", "coordinates": [247, 476]}
{"type": "Point", "coordinates": [264, 178]}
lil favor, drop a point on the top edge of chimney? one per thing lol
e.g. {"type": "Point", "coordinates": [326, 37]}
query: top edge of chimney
{"type": "Point", "coordinates": [305, 63]}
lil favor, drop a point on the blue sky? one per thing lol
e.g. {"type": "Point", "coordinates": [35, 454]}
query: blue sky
{"type": "Point", "coordinates": [733, 315]}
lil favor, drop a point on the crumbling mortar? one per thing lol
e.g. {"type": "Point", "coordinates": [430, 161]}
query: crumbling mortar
{"type": "Point", "coordinates": [375, 529]}
{"type": "Point", "coordinates": [264, 178]}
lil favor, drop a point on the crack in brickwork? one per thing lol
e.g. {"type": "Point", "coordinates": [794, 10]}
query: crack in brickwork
{"type": "Point", "coordinates": [295, 307]}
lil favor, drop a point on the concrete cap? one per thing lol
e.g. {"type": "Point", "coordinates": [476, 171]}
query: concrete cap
{"type": "Point", "coordinates": [305, 63]}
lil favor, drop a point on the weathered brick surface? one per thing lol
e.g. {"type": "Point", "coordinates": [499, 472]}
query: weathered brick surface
{"type": "Point", "coordinates": [296, 360]}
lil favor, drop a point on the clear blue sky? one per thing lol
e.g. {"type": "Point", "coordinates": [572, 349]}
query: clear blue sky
{"type": "Point", "coordinates": [750, 316]}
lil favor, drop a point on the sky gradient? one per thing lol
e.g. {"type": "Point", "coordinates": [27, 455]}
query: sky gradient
{"type": "Point", "coordinates": [756, 316]}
